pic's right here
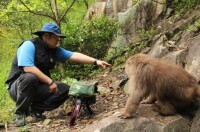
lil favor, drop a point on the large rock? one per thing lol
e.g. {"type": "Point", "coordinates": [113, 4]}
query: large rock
{"type": "Point", "coordinates": [196, 123]}
{"type": "Point", "coordinates": [158, 50]}
{"type": "Point", "coordinates": [127, 17]}
{"type": "Point", "coordinates": [113, 7]}
{"type": "Point", "coordinates": [193, 57]}
{"type": "Point", "coordinates": [117, 48]}
{"type": "Point", "coordinates": [97, 10]}
{"type": "Point", "coordinates": [137, 17]}
{"type": "Point", "coordinates": [159, 7]}
{"type": "Point", "coordinates": [145, 120]}
{"type": "Point", "coordinates": [144, 15]}
{"type": "Point", "coordinates": [176, 57]}
{"type": "Point", "coordinates": [176, 23]}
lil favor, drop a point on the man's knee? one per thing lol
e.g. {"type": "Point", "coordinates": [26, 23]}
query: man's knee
{"type": "Point", "coordinates": [29, 78]}
{"type": "Point", "coordinates": [63, 88]}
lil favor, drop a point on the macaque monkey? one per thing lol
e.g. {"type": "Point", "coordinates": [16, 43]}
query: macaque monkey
{"type": "Point", "coordinates": [167, 85]}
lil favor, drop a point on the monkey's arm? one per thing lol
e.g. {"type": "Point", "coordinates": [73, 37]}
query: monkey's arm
{"type": "Point", "coordinates": [136, 94]}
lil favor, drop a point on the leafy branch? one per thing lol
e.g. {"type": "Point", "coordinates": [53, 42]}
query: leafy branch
{"type": "Point", "coordinates": [54, 11]}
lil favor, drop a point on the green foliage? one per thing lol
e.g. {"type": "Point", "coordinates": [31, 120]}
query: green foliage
{"type": "Point", "coordinates": [119, 60]}
{"type": "Point", "coordinates": [145, 34]}
{"type": "Point", "coordinates": [7, 50]}
{"type": "Point", "coordinates": [140, 42]}
{"type": "Point", "coordinates": [96, 35]}
{"type": "Point", "coordinates": [1, 34]}
{"type": "Point", "coordinates": [136, 47]}
{"type": "Point", "coordinates": [183, 5]}
{"type": "Point", "coordinates": [135, 1]}
{"type": "Point", "coordinates": [92, 38]}
{"type": "Point", "coordinates": [197, 23]}
{"type": "Point", "coordinates": [195, 27]}
{"type": "Point", "coordinates": [24, 129]}
{"type": "Point", "coordinates": [19, 21]}
{"type": "Point", "coordinates": [16, 17]}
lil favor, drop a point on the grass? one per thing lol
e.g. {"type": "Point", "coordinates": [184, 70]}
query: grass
{"type": "Point", "coordinates": [7, 106]}
{"type": "Point", "coordinates": [7, 51]}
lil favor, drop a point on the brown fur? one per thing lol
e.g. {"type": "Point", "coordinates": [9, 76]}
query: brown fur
{"type": "Point", "coordinates": [168, 85]}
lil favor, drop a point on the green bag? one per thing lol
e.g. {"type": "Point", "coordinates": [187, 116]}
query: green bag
{"type": "Point", "coordinates": [87, 88]}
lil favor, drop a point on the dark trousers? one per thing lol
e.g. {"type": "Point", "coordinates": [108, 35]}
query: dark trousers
{"type": "Point", "coordinates": [32, 95]}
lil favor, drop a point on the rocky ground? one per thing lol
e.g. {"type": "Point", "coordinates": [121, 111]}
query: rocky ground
{"type": "Point", "coordinates": [109, 100]}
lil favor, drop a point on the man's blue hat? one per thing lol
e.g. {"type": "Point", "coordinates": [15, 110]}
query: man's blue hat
{"type": "Point", "coordinates": [50, 28]}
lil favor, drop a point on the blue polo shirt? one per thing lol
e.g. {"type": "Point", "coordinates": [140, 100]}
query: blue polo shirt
{"type": "Point", "coordinates": [26, 54]}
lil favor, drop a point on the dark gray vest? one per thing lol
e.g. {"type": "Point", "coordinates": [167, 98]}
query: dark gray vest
{"type": "Point", "coordinates": [45, 60]}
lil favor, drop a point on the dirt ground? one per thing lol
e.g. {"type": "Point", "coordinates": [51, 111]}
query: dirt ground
{"type": "Point", "coordinates": [58, 119]}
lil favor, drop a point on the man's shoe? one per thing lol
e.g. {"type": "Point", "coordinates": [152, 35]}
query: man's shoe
{"type": "Point", "coordinates": [20, 120]}
{"type": "Point", "coordinates": [37, 115]}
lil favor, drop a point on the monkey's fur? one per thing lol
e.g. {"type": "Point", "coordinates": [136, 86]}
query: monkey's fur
{"type": "Point", "coordinates": [169, 86]}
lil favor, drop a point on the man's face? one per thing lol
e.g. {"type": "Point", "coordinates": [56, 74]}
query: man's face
{"type": "Point", "coordinates": [52, 40]}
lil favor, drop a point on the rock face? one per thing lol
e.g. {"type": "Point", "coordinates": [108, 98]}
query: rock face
{"type": "Point", "coordinates": [145, 120]}
{"type": "Point", "coordinates": [113, 7]}
{"type": "Point", "coordinates": [171, 41]}
{"type": "Point", "coordinates": [196, 123]}
{"type": "Point", "coordinates": [97, 10]}
{"type": "Point", "coordinates": [193, 57]}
